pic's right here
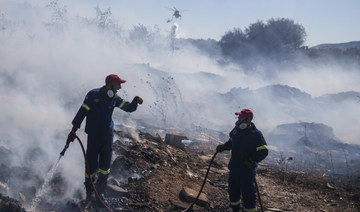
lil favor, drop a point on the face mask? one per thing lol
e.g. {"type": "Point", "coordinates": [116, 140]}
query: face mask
{"type": "Point", "coordinates": [110, 93]}
{"type": "Point", "coordinates": [243, 126]}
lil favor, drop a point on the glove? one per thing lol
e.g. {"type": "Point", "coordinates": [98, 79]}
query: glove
{"type": "Point", "coordinates": [138, 100]}
{"type": "Point", "coordinates": [249, 163]}
{"type": "Point", "coordinates": [71, 137]}
{"type": "Point", "coordinates": [220, 148]}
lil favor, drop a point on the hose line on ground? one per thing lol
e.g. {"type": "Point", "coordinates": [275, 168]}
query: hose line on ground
{"type": "Point", "coordinates": [202, 186]}
{"type": "Point", "coordinates": [87, 171]}
{"type": "Point", "coordinates": [258, 193]}
{"type": "Point", "coordinates": [91, 181]}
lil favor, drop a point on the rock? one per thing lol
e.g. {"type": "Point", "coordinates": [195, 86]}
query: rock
{"type": "Point", "coordinates": [22, 196]}
{"type": "Point", "coordinates": [328, 185]}
{"type": "Point", "coordinates": [117, 189]}
{"type": "Point", "coordinates": [189, 195]}
{"type": "Point", "coordinates": [170, 155]}
{"type": "Point", "coordinates": [114, 181]}
{"type": "Point", "coordinates": [3, 186]}
{"type": "Point", "coordinates": [134, 177]}
{"type": "Point", "coordinates": [156, 166]}
{"type": "Point", "coordinates": [159, 139]}
{"type": "Point", "coordinates": [175, 140]}
{"type": "Point", "coordinates": [273, 209]}
{"type": "Point", "coordinates": [10, 205]}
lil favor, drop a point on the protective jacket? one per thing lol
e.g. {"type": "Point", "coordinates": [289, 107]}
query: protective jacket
{"type": "Point", "coordinates": [248, 148]}
{"type": "Point", "coordinates": [98, 109]}
{"type": "Point", "coordinates": [246, 144]}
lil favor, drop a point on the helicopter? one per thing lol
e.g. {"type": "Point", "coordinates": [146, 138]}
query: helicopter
{"type": "Point", "coordinates": [176, 14]}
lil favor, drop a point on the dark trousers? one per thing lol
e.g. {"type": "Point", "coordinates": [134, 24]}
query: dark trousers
{"type": "Point", "coordinates": [98, 154]}
{"type": "Point", "coordinates": [242, 184]}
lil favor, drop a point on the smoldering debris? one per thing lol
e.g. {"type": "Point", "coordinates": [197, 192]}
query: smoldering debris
{"type": "Point", "coordinates": [314, 147]}
{"type": "Point", "coordinates": [10, 205]}
{"type": "Point", "coordinates": [162, 68]}
{"type": "Point", "coordinates": [149, 175]}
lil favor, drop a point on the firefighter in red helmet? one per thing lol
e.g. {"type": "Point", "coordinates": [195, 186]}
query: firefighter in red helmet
{"type": "Point", "coordinates": [98, 107]}
{"type": "Point", "coordinates": [248, 147]}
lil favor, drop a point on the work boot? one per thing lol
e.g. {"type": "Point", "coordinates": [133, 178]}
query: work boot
{"type": "Point", "coordinates": [90, 196]}
{"type": "Point", "coordinates": [235, 208]}
{"type": "Point", "coordinates": [104, 202]}
{"type": "Point", "coordinates": [89, 200]}
{"type": "Point", "coordinates": [101, 184]}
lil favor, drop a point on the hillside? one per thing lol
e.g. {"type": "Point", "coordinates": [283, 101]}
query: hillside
{"type": "Point", "coordinates": [148, 175]}
{"type": "Point", "coordinates": [342, 46]}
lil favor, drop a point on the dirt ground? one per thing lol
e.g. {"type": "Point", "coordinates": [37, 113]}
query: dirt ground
{"type": "Point", "coordinates": [150, 175]}
{"type": "Point", "coordinates": [166, 170]}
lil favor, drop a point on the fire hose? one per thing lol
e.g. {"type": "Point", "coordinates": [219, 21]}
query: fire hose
{"type": "Point", "coordinates": [87, 171]}
{"type": "Point", "coordinates": [257, 189]}
{"type": "Point", "coordinates": [202, 186]}
{"type": "Point", "coordinates": [204, 181]}
{"type": "Point", "coordinates": [188, 209]}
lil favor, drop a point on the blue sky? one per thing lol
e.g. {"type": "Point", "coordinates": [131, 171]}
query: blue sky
{"type": "Point", "coordinates": [325, 21]}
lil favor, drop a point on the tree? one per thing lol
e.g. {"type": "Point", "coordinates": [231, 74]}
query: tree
{"type": "Point", "coordinates": [104, 17]}
{"type": "Point", "coordinates": [284, 33]}
{"type": "Point", "coordinates": [276, 39]}
{"type": "Point", "coordinates": [58, 16]}
{"type": "Point", "coordinates": [233, 43]}
{"type": "Point", "coordinates": [257, 36]}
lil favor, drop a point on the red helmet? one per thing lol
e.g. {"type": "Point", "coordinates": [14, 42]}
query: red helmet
{"type": "Point", "coordinates": [246, 113]}
{"type": "Point", "coordinates": [113, 78]}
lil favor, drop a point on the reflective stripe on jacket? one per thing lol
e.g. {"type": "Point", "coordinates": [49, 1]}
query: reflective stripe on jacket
{"type": "Point", "coordinates": [246, 144]}
{"type": "Point", "coordinates": [98, 109]}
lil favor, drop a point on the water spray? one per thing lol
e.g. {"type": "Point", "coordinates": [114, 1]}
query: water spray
{"type": "Point", "coordinates": [87, 170]}
{"type": "Point", "coordinates": [35, 202]}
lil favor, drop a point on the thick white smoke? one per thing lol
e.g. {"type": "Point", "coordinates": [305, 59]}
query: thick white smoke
{"type": "Point", "coordinates": [50, 60]}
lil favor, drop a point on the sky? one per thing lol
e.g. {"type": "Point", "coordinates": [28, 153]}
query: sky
{"type": "Point", "coordinates": [325, 21]}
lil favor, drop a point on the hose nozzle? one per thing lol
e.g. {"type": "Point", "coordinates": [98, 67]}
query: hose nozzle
{"type": "Point", "coordinates": [65, 148]}
{"type": "Point", "coordinates": [71, 137]}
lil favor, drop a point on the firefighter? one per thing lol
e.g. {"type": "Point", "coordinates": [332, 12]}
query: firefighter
{"type": "Point", "coordinates": [248, 149]}
{"type": "Point", "coordinates": [98, 107]}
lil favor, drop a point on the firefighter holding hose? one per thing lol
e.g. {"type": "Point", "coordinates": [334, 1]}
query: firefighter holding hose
{"type": "Point", "coordinates": [248, 149]}
{"type": "Point", "coordinates": [98, 107]}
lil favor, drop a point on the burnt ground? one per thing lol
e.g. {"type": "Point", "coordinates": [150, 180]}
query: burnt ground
{"type": "Point", "coordinates": [149, 175]}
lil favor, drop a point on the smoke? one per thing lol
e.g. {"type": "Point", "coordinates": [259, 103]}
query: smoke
{"type": "Point", "coordinates": [324, 79]}
{"type": "Point", "coordinates": [50, 59]}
